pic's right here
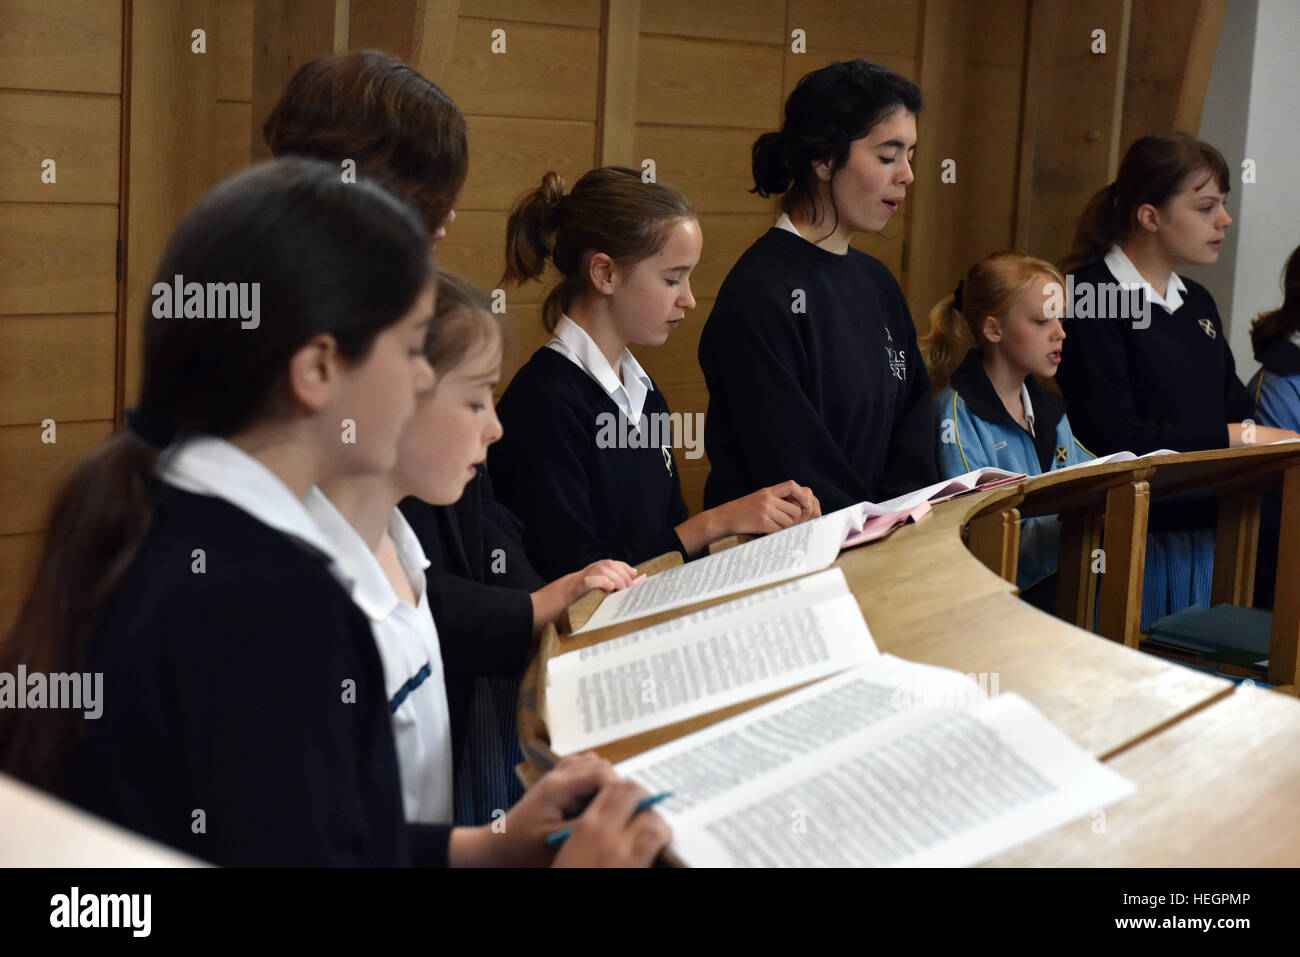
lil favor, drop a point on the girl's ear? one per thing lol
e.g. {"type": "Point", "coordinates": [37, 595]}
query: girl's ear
{"type": "Point", "coordinates": [1146, 217]}
{"type": "Point", "coordinates": [823, 169]}
{"type": "Point", "coordinates": [314, 372]}
{"type": "Point", "coordinates": [602, 272]}
{"type": "Point", "coordinates": [991, 329]}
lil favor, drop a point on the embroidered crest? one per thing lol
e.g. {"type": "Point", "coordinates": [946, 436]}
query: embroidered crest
{"type": "Point", "coordinates": [897, 362]}
{"type": "Point", "coordinates": [1062, 454]}
{"type": "Point", "coordinates": [668, 459]}
{"type": "Point", "coordinates": [1208, 327]}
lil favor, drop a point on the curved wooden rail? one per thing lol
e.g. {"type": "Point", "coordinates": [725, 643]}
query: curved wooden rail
{"type": "Point", "coordinates": [926, 597]}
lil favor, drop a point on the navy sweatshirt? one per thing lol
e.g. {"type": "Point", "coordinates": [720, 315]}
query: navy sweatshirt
{"type": "Point", "coordinates": [814, 375]}
{"type": "Point", "coordinates": [581, 502]}
{"type": "Point", "coordinates": [252, 693]}
{"type": "Point", "coordinates": [483, 607]}
{"type": "Point", "coordinates": [1172, 385]}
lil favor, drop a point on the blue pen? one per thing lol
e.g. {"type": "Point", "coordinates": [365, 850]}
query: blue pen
{"type": "Point", "coordinates": [556, 838]}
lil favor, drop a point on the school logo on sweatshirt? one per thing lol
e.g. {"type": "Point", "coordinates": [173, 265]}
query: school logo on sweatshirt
{"type": "Point", "coordinates": [897, 363]}
{"type": "Point", "coordinates": [1208, 328]}
{"type": "Point", "coordinates": [1062, 454]}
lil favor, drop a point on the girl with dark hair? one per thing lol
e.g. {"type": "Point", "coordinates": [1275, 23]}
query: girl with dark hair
{"type": "Point", "coordinates": [1276, 338]}
{"type": "Point", "coordinates": [486, 597]}
{"type": "Point", "coordinates": [810, 353]}
{"type": "Point", "coordinates": [587, 459]}
{"type": "Point", "coordinates": [397, 127]}
{"type": "Point", "coordinates": [243, 717]}
{"type": "Point", "coordinates": [1149, 365]}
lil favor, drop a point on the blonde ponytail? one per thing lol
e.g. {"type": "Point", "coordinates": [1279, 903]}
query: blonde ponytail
{"type": "Point", "coordinates": [947, 342]}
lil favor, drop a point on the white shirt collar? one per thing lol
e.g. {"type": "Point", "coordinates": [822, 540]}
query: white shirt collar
{"type": "Point", "coordinates": [1029, 406]}
{"type": "Point", "coordinates": [788, 225]}
{"type": "Point", "coordinates": [1122, 268]}
{"type": "Point", "coordinates": [572, 341]}
{"type": "Point", "coordinates": [367, 582]}
{"type": "Point", "coordinates": [206, 465]}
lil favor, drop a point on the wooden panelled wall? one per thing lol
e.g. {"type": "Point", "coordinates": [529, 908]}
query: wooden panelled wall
{"type": "Point", "coordinates": [583, 82]}
{"type": "Point", "coordinates": [61, 100]}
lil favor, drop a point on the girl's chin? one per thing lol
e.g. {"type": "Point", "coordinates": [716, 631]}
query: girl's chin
{"type": "Point", "coordinates": [445, 493]}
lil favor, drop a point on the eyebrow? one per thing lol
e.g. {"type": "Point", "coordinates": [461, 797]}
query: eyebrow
{"type": "Point", "coordinates": [678, 268]}
{"type": "Point", "coordinates": [895, 143]}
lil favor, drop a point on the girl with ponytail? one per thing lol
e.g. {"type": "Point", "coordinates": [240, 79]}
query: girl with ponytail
{"type": "Point", "coordinates": [181, 565]}
{"type": "Point", "coordinates": [242, 715]}
{"type": "Point", "coordinates": [1149, 365]}
{"type": "Point", "coordinates": [586, 460]}
{"type": "Point", "coordinates": [1137, 371]}
{"type": "Point", "coordinates": [993, 412]}
{"type": "Point", "coordinates": [810, 353]}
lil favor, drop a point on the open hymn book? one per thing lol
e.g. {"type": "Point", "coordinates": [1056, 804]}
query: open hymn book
{"type": "Point", "coordinates": [888, 764]}
{"type": "Point", "coordinates": [743, 649]}
{"type": "Point", "coordinates": [881, 762]}
{"type": "Point", "coordinates": [980, 480]}
{"type": "Point", "coordinates": [807, 547]}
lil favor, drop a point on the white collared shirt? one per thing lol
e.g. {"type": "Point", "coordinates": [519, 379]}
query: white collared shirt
{"type": "Point", "coordinates": [1122, 268]}
{"type": "Point", "coordinates": [207, 465]}
{"type": "Point", "coordinates": [786, 223]}
{"type": "Point", "coordinates": [407, 640]}
{"type": "Point", "coordinates": [1029, 408]}
{"type": "Point", "coordinates": [571, 340]}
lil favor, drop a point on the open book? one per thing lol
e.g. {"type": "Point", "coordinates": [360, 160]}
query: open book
{"type": "Point", "coordinates": [773, 639]}
{"type": "Point", "coordinates": [807, 547]}
{"type": "Point", "coordinates": [1115, 457]}
{"type": "Point", "coordinates": [980, 480]}
{"type": "Point", "coordinates": [891, 763]}
{"type": "Point", "coordinates": [870, 523]}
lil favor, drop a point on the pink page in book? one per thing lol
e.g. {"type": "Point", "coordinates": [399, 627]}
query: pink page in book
{"type": "Point", "coordinates": [876, 527]}
{"type": "Point", "coordinates": [958, 488]}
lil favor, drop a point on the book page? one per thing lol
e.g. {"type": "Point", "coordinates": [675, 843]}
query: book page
{"type": "Point", "coordinates": [717, 657]}
{"type": "Point", "coordinates": [862, 770]}
{"type": "Point", "coordinates": [807, 547]}
{"type": "Point", "coordinates": [950, 488]}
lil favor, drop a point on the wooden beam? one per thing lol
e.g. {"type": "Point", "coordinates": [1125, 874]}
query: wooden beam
{"type": "Point", "coordinates": [1284, 649]}
{"type": "Point", "coordinates": [421, 32]}
{"type": "Point", "coordinates": [286, 35]}
{"type": "Point", "coordinates": [1125, 544]}
{"type": "Point", "coordinates": [1200, 64]}
{"type": "Point", "coordinates": [995, 541]}
{"type": "Point", "coordinates": [619, 52]}
{"type": "Point", "coordinates": [1076, 585]}
{"type": "Point", "coordinates": [1070, 108]}
{"type": "Point", "coordinates": [1236, 542]}
{"type": "Point", "coordinates": [171, 96]}
{"type": "Point", "coordinates": [930, 266]}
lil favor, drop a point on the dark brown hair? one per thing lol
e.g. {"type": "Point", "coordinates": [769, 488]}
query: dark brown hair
{"type": "Point", "coordinates": [991, 287]}
{"type": "Point", "coordinates": [1153, 171]}
{"type": "Point", "coordinates": [610, 210]}
{"type": "Point", "coordinates": [344, 259]}
{"type": "Point", "coordinates": [368, 106]}
{"type": "Point", "coordinates": [462, 318]}
{"type": "Point", "coordinates": [1286, 320]}
{"type": "Point", "coordinates": [825, 113]}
